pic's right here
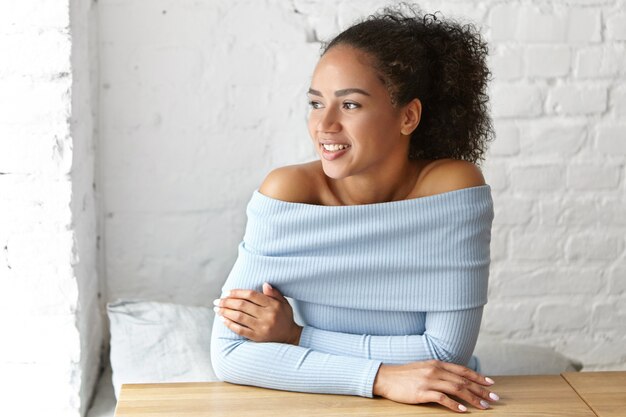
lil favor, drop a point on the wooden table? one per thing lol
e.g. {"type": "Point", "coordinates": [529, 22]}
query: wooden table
{"type": "Point", "coordinates": [603, 392]}
{"type": "Point", "coordinates": [572, 394]}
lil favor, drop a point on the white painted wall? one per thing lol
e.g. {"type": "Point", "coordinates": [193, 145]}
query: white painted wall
{"type": "Point", "coordinates": [200, 99]}
{"type": "Point", "coordinates": [49, 317]}
{"type": "Point", "coordinates": [84, 204]}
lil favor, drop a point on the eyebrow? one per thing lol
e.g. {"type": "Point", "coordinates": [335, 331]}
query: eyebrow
{"type": "Point", "coordinates": [340, 93]}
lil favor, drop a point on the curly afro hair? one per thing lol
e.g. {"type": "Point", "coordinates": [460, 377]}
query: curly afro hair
{"type": "Point", "coordinates": [440, 62]}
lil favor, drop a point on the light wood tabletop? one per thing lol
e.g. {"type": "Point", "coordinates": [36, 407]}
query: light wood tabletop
{"type": "Point", "coordinates": [546, 396]}
{"type": "Point", "coordinates": [604, 392]}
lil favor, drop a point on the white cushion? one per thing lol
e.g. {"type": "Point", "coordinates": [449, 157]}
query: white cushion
{"type": "Point", "coordinates": [159, 342]}
{"type": "Point", "coordinates": [498, 357]}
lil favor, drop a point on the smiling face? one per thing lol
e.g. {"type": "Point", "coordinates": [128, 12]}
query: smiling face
{"type": "Point", "coordinates": [353, 124]}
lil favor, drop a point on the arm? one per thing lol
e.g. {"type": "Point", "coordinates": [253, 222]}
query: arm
{"type": "Point", "coordinates": [281, 366]}
{"type": "Point", "coordinates": [449, 337]}
{"type": "Point", "coordinates": [294, 368]}
{"type": "Point", "coordinates": [268, 317]}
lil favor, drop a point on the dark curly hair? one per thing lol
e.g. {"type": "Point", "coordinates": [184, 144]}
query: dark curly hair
{"type": "Point", "coordinates": [440, 62]}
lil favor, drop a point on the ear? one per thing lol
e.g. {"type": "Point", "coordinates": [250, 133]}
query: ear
{"type": "Point", "coordinates": [411, 116]}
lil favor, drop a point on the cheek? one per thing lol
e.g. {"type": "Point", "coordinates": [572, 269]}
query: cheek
{"type": "Point", "coordinates": [311, 123]}
{"type": "Point", "coordinates": [386, 122]}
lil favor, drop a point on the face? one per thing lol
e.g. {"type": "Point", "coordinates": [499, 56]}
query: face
{"type": "Point", "coordinates": [355, 128]}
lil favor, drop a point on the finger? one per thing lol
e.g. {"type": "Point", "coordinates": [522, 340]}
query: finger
{"type": "Point", "coordinates": [475, 388]}
{"type": "Point", "coordinates": [483, 392]}
{"type": "Point", "coordinates": [250, 295]}
{"type": "Point", "coordinates": [466, 372]}
{"type": "Point", "coordinates": [443, 399]}
{"type": "Point", "coordinates": [459, 391]}
{"type": "Point", "coordinates": [237, 304]}
{"type": "Point", "coordinates": [273, 292]}
{"type": "Point", "coordinates": [238, 317]}
{"type": "Point", "coordinates": [237, 328]}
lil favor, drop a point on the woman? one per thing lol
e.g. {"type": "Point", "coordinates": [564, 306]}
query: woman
{"type": "Point", "coordinates": [384, 242]}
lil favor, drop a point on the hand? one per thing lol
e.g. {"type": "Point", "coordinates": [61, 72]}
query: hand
{"type": "Point", "coordinates": [433, 381]}
{"type": "Point", "coordinates": [260, 317]}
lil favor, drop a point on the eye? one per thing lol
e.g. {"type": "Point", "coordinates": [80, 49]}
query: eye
{"type": "Point", "coordinates": [350, 106]}
{"type": "Point", "coordinates": [315, 104]}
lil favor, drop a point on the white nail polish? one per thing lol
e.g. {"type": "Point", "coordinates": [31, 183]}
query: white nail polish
{"type": "Point", "coordinates": [222, 318]}
{"type": "Point", "coordinates": [462, 408]}
{"type": "Point", "coordinates": [484, 403]}
{"type": "Point", "coordinates": [494, 396]}
{"type": "Point", "coordinates": [216, 309]}
{"type": "Point", "coordinates": [216, 302]}
{"type": "Point", "coordinates": [489, 380]}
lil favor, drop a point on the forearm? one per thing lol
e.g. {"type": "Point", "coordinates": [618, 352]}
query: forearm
{"type": "Point", "coordinates": [287, 367]}
{"type": "Point", "coordinates": [449, 337]}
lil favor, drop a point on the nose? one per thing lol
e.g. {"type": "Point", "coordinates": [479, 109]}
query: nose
{"type": "Point", "coordinates": [328, 121]}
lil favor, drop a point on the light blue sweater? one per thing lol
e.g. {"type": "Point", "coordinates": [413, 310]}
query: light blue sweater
{"type": "Point", "coordinates": [380, 283]}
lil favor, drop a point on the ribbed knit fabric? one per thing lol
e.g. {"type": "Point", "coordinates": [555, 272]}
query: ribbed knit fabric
{"type": "Point", "coordinates": [379, 283]}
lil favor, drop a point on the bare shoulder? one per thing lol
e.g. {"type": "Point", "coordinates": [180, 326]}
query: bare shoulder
{"type": "Point", "coordinates": [444, 175]}
{"type": "Point", "coordinates": [293, 183]}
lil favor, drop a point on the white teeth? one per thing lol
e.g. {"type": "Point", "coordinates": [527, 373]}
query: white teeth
{"type": "Point", "coordinates": [335, 147]}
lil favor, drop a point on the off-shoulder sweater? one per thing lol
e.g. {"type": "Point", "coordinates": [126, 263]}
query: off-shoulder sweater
{"type": "Point", "coordinates": [389, 283]}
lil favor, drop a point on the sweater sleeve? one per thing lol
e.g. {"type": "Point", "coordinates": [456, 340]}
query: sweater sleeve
{"type": "Point", "coordinates": [287, 367]}
{"type": "Point", "coordinates": [449, 336]}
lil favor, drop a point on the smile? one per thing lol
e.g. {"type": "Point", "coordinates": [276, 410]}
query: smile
{"type": "Point", "coordinates": [334, 147]}
{"type": "Point", "coordinates": [333, 151]}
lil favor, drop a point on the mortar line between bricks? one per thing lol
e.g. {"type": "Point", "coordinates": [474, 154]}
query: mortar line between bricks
{"type": "Point", "coordinates": [580, 396]}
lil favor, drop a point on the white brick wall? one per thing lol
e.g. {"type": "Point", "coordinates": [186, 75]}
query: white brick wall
{"type": "Point", "coordinates": [199, 100]}
{"type": "Point", "coordinates": [565, 266]}
{"type": "Point", "coordinates": [49, 317]}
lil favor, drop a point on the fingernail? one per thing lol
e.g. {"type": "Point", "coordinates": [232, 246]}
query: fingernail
{"type": "Point", "coordinates": [266, 283]}
{"type": "Point", "coordinates": [484, 404]}
{"type": "Point", "coordinates": [462, 408]}
{"type": "Point", "coordinates": [216, 302]}
{"type": "Point", "coordinates": [222, 318]}
{"type": "Point", "coordinates": [216, 309]}
{"type": "Point", "coordinates": [494, 396]}
{"type": "Point", "coordinates": [489, 380]}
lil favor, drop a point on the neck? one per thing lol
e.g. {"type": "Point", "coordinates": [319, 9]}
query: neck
{"type": "Point", "coordinates": [393, 182]}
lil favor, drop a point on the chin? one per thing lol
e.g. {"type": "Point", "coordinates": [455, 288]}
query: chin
{"type": "Point", "coordinates": [334, 171]}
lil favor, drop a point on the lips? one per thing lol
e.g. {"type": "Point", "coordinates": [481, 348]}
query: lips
{"type": "Point", "coordinates": [332, 151]}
